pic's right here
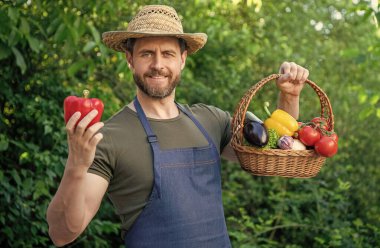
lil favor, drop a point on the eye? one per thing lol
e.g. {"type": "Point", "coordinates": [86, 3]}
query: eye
{"type": "Point", "coordinates": [169, 54]}
{"type": "Point", "coordinates": [146, 54]}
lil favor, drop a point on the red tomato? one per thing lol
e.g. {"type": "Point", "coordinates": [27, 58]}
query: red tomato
{"type": "Point", "coordinates": [326, 147]}
{"type": "Point", "coordinates": [335, 137]}
{"type": "Point", "coordinates": [320, 121]}
{"type": "Point", "coordinates": [308, 135]}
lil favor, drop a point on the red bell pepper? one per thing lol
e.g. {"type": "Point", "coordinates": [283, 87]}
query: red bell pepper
{"type": "Point", "coordinates": [84, 105]}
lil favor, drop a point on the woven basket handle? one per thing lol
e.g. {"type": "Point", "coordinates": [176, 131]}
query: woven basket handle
{"type": "Point", "coordinates": [239, 115]}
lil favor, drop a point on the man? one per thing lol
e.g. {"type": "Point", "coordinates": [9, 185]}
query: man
{"type": "Point", "coordinates": [158, 161]}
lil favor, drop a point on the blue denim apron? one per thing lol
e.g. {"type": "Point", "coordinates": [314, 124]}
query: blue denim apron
{"type": "Point", "coordinates": [185, 207]}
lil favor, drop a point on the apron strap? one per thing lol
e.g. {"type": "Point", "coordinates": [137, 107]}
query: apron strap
{"type": "Point", "coordinates": [153, 141]}
{"type": "Point", "coordinates": [152, 138]}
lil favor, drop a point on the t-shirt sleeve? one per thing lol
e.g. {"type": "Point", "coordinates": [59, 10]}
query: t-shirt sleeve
{"type": "Point", "coordinates": [224, 119]}
{"type": "Point", "coordinates": [104, 158]}
{"type": "Point", "coordinates": [220, 119]}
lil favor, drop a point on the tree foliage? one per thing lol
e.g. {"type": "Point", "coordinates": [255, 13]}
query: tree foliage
{"type": "Point", "coordinates": [52, 49]}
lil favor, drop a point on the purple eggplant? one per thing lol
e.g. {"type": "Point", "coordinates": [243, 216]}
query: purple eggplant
{"type": "Point", "coordinates": [255, 133]}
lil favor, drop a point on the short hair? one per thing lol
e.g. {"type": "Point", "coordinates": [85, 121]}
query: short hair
{"type": "Point", "coordinates": [129, 44]}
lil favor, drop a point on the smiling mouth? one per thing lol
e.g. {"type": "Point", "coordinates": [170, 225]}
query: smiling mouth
{"type": "Point", "coordinates": [157, 77]}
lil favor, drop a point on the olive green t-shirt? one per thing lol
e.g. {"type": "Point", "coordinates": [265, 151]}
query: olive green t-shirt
{"type": "Point", "coordinates": [124, 157]}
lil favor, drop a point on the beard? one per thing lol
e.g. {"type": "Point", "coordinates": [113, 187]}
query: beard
{"type": "Point", "coordinates": [157, 91]}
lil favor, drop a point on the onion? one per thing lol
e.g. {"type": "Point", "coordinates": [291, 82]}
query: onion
{"type": "Point", "coordinates": [285, 142]}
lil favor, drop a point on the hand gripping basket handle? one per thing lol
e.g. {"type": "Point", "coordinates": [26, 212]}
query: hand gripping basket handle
{"type": "Point", "coordinates": [239, 115]}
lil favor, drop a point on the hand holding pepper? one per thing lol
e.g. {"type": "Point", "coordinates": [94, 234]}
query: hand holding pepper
{"type": "Point", "coordinates": [82, 116]}
{"type": "Point", "coordinates": [82, 141]}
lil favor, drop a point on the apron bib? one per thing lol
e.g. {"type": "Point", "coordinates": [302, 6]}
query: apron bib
{"type": "Point", "coordinates": [185, 207]}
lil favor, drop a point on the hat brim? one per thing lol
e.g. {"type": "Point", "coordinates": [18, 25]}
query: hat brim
{"type": "Point", "coordinates": [115, 39]}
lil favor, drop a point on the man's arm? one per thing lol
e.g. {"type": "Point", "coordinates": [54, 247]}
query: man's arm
{"type": "Point", "coordinates": [74, 205]}
{"type": "Point", "coordinates": [229, 154]}
{"type": "Point", "coordinates": [290, 84]}
{"type": "Point", "coordinates": [80, 193]}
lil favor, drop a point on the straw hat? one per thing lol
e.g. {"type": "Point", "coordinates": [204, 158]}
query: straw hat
{"type": "Point", "coordinates": [154, 20]}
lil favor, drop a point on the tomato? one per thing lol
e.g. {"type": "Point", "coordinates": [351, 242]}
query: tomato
{"type": "Point", "coordinates": [335, 137]}
{"type": "Point", "coordinates": [326, 147]}
{"type": "Point", "coordinates": [308, 135]}
{"type": "Point", "coordinates": [320, 122]}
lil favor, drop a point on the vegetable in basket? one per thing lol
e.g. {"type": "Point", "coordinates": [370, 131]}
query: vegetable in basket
{"type": "Point", "coordinates": [281, 121]}
{"type": "Point", "coordinates": [272, 140]}
{"type": "Point", "coordinates": [249, 116]}
{"type": "Point", "coordinates": [285, 142]}
{"type": "Point", "coordinates": [254, 130]}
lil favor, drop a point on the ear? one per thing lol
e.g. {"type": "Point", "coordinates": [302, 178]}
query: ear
{"type": "Point", "coordinates": [183, 59]}
{"type": "Point", "coordinates": [129, 58]}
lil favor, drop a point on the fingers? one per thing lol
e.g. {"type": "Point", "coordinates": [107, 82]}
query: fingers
{"type": "Point", "coordinates": [70, 126]}
{"type": "Point", "coordinates": [92, 130]}
{"type": "Point", "coordinates": [96, 139]}
{"type": "Point", "coordinates": [80, 130]}
{"type": "Point", "coordinates": [292, 72]}
{"type": "Point", "coordinates": [305, 75]}
{"type": "Point", "coordinates": [82, 125]}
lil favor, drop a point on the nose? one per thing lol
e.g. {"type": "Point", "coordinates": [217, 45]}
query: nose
{"type": "Point", "coordinates": [157, 62]}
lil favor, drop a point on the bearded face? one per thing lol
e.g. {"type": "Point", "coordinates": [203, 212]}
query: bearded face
{"type": "Point", "coordinates": [157, 63]}
{"type": "Point", "coordinates": [154, 90]}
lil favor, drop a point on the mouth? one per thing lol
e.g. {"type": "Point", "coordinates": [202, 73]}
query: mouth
{"type": "Point", "coordinates": [157, 77]}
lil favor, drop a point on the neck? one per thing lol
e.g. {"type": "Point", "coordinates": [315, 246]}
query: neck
{"type": "Point", "coordinates": [157, 108]}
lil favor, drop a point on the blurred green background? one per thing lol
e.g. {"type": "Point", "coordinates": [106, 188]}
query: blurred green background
{"type": "Point", "coordinates": [52, 49]}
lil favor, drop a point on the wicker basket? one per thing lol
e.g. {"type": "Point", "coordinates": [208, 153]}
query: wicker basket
{"type": "Point", "coordinates": [277, 162]}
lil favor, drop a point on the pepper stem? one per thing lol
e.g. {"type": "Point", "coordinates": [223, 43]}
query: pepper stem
{"type": "Point", "coordinates": [86, 93]}
{"type": "Point", "coordinates": [266, 105]}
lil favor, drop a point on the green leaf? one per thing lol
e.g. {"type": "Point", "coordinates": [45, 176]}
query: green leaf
{"type": "Point", "coordinates": [19, 59]}
{"type": "Point", "coordinates": [16, 177]}
{"type": "Point", "coordinates": [350, 52]}
{"type": "Point", "coordinates": [34, 44]}
{"type": "Point", "coordinates": [90, 45]}
{"type": "Point", "coordinates": [13, 38]}
{"type": "Point", "coordinates": [122, 67]}
{"type": "Point", "coordinates": [61, 33]}
{"type": "Point", "coordinates": [40, 189]}
{"type": "Point", "coordinates": [47, 129]}
{"type": "Point", "coordinates": [53, 26]}
{"type": "Point", "coordinates": [358, 222]}
{"type": "Point", "coordinates": [378, 112]}
{"type": "Point", "coordinates": [94, 32]}
{"type": "Point", "coordinates": [13, 14]}
{"type": "Point", "coordinates": [365, 113]}
{"type": "Point", "coordinates": [4, 51]}
{"type": "Point", "coordinates": [74, 35]}
{"type": "Point", "coordinates": [24, 27]}
{"type": "Point", "coordinates": [74, 68]}
{"type": "Point", "coordinates": [362, 97]}
{"type": "Point", "coordinates": [4, 143]}
{"type": "Point", "coordinates": [374, 99]}
{"type": "Point", "coordinates": [24, 157]}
